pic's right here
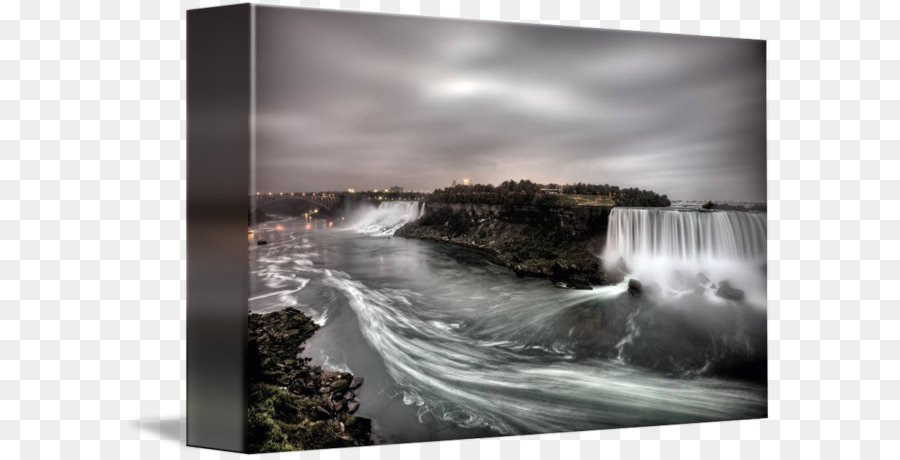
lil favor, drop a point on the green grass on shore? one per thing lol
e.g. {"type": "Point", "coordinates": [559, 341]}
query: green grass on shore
{"type": "Point", "coordinates": [586, 200]}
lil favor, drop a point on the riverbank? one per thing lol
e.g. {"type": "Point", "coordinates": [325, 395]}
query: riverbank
{"type": "Point", "coordinates": [292, 404]}
{"type": "Point", "coordinates": [558, 244]}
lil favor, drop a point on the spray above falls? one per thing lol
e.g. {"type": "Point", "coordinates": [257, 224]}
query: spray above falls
{"type": "Point", "coordinates": [388, 217]}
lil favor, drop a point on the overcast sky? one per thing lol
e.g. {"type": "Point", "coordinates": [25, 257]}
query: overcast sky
{"type": "Point", "coordinates": [348, 100]}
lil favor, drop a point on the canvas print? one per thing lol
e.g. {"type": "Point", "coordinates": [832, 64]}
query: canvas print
{"type": "Point", "coordinates": [464, 229]}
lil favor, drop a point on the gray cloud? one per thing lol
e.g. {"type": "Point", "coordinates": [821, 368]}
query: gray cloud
{"type": "Point", "coordinates": [369, 101]}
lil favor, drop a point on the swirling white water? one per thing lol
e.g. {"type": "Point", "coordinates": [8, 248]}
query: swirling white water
{"type": "Point", "coordinates": [452, 346]}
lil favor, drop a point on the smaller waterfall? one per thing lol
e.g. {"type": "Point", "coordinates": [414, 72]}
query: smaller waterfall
{"type": "Point", "coordinates": [388, 217]}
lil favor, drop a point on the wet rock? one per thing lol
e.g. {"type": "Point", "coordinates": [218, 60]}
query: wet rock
{"type": "Point", "coordinates": [700, 290]}
{"type": "Point", "coordinates": [352, 406]}
{"type": "Point", "coordinates": [341, 385]}
{"type": "Point", "coordinates": [635, 288]}
{"type": "Point", "coordinates": [356, 383]}
{"type": "Point", "coordinates": [261, 242]}
{"type": "Point", "coordinates": [702, 278]}
{"type": "Point", "coordinates": [325, 412]}
{"type": "Point", "coordinates": [579, 285]}
{"type": "Point", "coordinates": [725, 291]}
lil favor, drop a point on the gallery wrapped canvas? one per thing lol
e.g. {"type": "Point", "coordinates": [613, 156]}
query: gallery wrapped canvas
{"type": "Point", "coordinates": [407, 229]}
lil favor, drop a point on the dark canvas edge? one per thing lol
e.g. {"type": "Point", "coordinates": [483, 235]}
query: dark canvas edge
{"type": "Point", "coordinates": [218, 184]}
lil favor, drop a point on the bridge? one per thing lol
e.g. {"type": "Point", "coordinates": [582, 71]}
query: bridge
{"type": "Point", "coordinates": [324, 200]}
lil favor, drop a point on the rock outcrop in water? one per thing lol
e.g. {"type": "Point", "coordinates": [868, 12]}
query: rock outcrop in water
{"type": "Point", "coordinates": [554, 243]}
{"type": "Point", "coordinates": [726, 291]}
{"type": "Point", "coordinates": [292, 404]}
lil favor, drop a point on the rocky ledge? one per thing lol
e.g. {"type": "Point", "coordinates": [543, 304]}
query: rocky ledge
{"type": "Point", "coordinates": [528, 248]}
{"type": "Point", "coordinates": [294, 405]}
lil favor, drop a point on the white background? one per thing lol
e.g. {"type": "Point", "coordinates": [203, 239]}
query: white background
{"type": "Point", "coordinates": [92, 252]}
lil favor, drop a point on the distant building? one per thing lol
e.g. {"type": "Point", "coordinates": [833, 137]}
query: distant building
{"type": "Point", "coordinates": [396, 189]}
{"type": "Point", "coordinates": [454, 183]}
{"type": "Point", "coordinates": [551, 191]}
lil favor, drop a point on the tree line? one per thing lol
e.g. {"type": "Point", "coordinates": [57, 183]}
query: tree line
{"type": "Point", "coordinates": [528, 193]}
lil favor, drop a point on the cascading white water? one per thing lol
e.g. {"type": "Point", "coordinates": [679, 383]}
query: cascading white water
{"type": "Point", "coordinates": [686, 235]}
{"type": "Point", "coordinates": [663, 245]}
{"type": "Point", "coordinates": [388, 217]}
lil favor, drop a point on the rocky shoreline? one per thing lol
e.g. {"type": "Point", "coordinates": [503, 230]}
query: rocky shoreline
{"type": "Point", "coordinates": [294, 405]}
{"type": "Point", "coordinates": [539, 245]}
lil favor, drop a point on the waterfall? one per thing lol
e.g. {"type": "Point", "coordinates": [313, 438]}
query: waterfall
{"type": "Point", "coordinates": [388, 217]}
{"type": "Point", "coordinates": [664, 245]}
{"type": "Point", "coordinates": [686, 235]}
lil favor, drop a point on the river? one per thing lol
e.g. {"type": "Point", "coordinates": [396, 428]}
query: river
{"type": "Point", "coordinates": [452, 346]}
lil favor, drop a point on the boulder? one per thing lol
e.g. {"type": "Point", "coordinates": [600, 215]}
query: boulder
{"type": "Point", "coordinates": [702, 278]}
{"type": "Point", "coordinates": [579, 285]}
{"type": "Point", "coordinates": [323, 411]}
{"type": "Point", "coordinates": [725, 291]}
{"type": "Point", "coordinates": [635, 288]}
{"type": "Point", "coordinates": [341, 385]}
{"type": "Point", "coordinates": [352, 406]}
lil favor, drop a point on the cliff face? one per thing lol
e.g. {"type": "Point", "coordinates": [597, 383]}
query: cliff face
{"type": "Point", "coordinates": [557, 243]}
